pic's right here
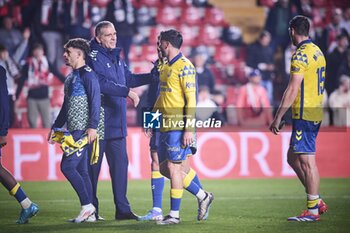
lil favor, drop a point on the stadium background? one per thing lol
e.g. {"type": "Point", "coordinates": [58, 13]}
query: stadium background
{"type": "Point", "coordinates": [225, 159]}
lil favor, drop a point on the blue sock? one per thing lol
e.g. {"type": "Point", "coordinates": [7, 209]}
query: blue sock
{"type": "Point", "coordinates": [196, 180]}
{"type": "Point", "coordinates": [18, 193]}
{"type": "Point", "coordinates": [157, 183]}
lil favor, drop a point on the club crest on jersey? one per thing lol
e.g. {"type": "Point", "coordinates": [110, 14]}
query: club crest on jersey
{"type": "Point", "coordinates": [108, 65]}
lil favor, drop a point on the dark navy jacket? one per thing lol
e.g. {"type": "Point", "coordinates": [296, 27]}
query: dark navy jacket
{"type": "Point", "coordinates": [115, 79]}
{"type": "Point", "coordinates": [4, 103]}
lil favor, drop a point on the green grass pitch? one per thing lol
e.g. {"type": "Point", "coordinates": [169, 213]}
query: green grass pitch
{"type": "Point", "coordinates": [260, 205]}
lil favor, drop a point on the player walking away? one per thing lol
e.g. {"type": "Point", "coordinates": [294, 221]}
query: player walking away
{"type": "Point", "coordinates": [177, 96]}
{"type": "Point", "coordinates": [305, 94]}
{"type": "Point", "coordinates": [29, 209]}
{"type": "Point", "coordinates": [80, 111]}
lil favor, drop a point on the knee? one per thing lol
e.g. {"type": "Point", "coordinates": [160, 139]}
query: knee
{"type": "Point", "coordinates": [66, 168]}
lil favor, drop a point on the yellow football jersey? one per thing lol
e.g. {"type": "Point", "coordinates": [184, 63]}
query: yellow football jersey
{"type": "Point", "coordinates": [177, 93]}
{"type": "Point", "coordinates": [309, 61]}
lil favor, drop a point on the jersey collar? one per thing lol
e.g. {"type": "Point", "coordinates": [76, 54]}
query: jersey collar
{"type": "Point", "coordinates": [177, 57]}
{"type": "Point", "coordinates": [304, 42]}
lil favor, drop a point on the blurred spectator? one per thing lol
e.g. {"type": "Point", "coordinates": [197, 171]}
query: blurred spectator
{"type": "Point", "coordinates": [277, 24]}
{"type": "Point", "coordinates": [52, 25]}
{"type": "Point", "coordinates": [15, 42]}
{"type": "Point", "coordinates": [260, 56]}
{"type": "Point", "coordinates": [253, 106]}
{"type": "Point", "coordinates": [77, 15]}
{"type": "Point", "coordinates": [232, 35]}
{"type": "Point", "coordinates": [201, 3]}
{"type": "Point", "coordinates": [330, 33]}
{"type": "Point", "coordinates": [36, 76]}
{"type": "Point", "coordinates": [346, 21]}
{"type": "Point", "coordinates": [122, 14]}
{"type": "Point", "coordinates": [204, 75]}
{"type": "Point", "coordinates": [13, 74]}
{"type": "Point", "coordinates": [219, 98]}
{"type": "Point", "coordinates": [345, 66]}
{"type": "Point", "coordinates": [339, 102]}
{"type": "Point", "coordinates": [206, 107]}
{"type": "Point", "coordinates": [334, 60]}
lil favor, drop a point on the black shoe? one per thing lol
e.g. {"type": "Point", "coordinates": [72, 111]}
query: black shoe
{"type": "Point", "coordinates": [126, 216]}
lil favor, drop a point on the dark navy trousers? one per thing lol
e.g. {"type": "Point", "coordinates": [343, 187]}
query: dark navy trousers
{"type": "Point", "coordinates": [117, 159]}
{"type": "Point", "coordinates": [75, 168]}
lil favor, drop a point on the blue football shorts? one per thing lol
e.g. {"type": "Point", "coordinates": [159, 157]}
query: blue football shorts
{"type": "Point", "coordinates": [304, 133]}
{"type": "Point", "coordinates": [170, 147]}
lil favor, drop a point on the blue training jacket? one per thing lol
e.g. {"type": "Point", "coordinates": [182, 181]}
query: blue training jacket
{"type": "Point", "coordinates": [115, 79]}
{"type": "Point", "coordinates": [4, 103]}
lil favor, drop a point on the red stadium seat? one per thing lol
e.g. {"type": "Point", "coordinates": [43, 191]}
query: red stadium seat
{"type": "Point", "coordinates": [149, 53]}
{"type": "Point", "coordinates": [167, 16]}
{"type": "Point", "coordinates": [214, 16]}
{"type": "Point", "coordinates": [225, 54]}
{"type": "Point", "coordinates": [191, 16]}
{"type": "Point", "coordinates": [209, 35]}
{"type": "Point", "coordinates": [150, 3]}
{"type": "Point", "coordinates": [189, 34]}
{"type": "Point", "coordinates": [135, 52]}
{"type": "Point", "coordinates": [175, 3]}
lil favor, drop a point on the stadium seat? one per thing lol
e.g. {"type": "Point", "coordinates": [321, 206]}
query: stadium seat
{"type": "Point", "coordinates": [149, 53]}
{"type": "Point", "coordinates": [175, 3]}
{"type": "Point", "coordinates": [214, 16]}
{"type": "Point", "coordinates": [167, 16]}
{"type": "Point", "coordinates": [209, 35]}
{"type": "Point", "coordinates": [135, 52]}
{"type": "Point", "coordinates": [191, 16]}
{"type": "Point", "coordinates": [225, 54]}
{"type": "Point", "coordinates": [189, 34]}
{"type": "Point", "coordinates": [150, 3]}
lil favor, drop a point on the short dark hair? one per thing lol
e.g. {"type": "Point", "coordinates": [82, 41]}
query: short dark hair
{"type": "Point", "coordinates": [3, 48]}
{"type": "Point", "coordinates": [301, 25]}
{"type": "Point", "coordinates": [173, 37]}
{"type": "Point", "coordinates": [79, 43]}
{"type": "Point", "coordinates": [100, 25]}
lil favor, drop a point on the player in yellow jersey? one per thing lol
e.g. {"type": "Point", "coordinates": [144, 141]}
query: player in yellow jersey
{"type": "Point", "coordinates": [176, 102]}
{"type": "Point", "coordinates": [305, 94]}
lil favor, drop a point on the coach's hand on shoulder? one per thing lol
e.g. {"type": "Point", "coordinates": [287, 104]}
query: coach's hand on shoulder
{"type": "Point", "coordinates": [92, 134]}
{"type": "Point", "coordinates": [3, 141]}
{"type": "Point", "coordinates": [49, 140]}
{"type": "Point", "coordinates": [134, 97]}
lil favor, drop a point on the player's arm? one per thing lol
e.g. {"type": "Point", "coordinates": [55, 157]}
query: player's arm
{"type": "Point", "coordinates": [287, 100]}
{"type": "Point", "coordinates": [94, 99]}
{"type": "Point", "coordinates": [188, 84]}
{"type": "Point", "coordinates": [136, 80]}
{"type": "Point", "coordinates": [107, 86]}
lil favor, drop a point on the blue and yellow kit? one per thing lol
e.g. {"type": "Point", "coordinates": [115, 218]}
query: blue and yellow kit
{"type": "Point", "coordinates": [309, 61]}
{"type": "Point", "coordinates": [177, 93]}
{"type": "Point", "coordinates": [307, 109]}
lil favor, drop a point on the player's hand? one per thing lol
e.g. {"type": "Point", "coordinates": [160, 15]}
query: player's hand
{"type": "Point", "coordinates": [92, 134]}
{"type": "Point", "coordinates": [187, 138]}
{"type": "Point", "coordinates": [134, 97]}
{"type": "Point", "coordinates": [3, 141]}
{"type": "Point", "coordinates": [276, 126]}
{"type": "Point", "coordinates": [49, 140]}
{"type": "Point", "coordinates": [148, 132]}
